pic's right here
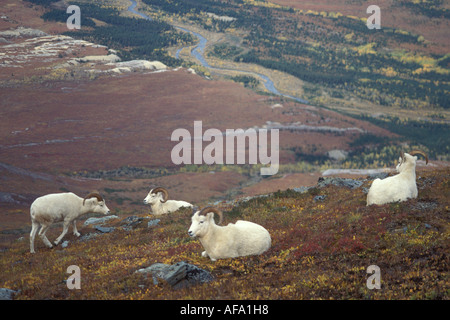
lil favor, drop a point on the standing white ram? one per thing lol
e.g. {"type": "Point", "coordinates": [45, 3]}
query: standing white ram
{"type": "Point", "coordinates": [399, 187]}
{"type": "Point", "coordinates": [157, 198]}
{"type": "Point", "coordinates": [242, 238]}
{"type": "Point", "coordinates": [66, 207]}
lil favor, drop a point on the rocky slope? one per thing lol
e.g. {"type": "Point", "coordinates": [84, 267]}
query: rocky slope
{"type": "Point", "coordinates": [323, 240]}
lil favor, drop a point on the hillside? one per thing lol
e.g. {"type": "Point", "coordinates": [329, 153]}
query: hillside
{"type": "Point", "coordinates": [95, 110]}
{"type": "Point", "coordinates": [83, 124]}
{"type": "Point", "coordinates": [323, 240]}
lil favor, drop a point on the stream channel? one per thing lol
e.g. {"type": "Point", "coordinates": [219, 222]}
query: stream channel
{"type": "Point", "coordinates": [198, 51]}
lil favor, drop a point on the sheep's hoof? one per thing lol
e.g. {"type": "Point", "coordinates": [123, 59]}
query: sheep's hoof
{"type": "Point", "coordinates": [77, 234]}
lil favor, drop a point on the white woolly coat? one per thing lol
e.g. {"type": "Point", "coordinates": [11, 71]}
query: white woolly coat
{"type": "Point", "coordinates": [242, 238]}
{"type": "Point", "coordinates": [160, 208]}
{"type": "Point", "coordinates": [396, 188]}
{"type": "Point", "coordinates": [61, 206]}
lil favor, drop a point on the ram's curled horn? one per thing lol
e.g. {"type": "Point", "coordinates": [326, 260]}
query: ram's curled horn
{"type": "Point", "coordinates": [205, 210]}
{"type": "Point", "coordinates": [93, 195]}
{"type": "Point", "coordinates": [164, 191]}
{"type": "Point", "coordinates": [414, 152]}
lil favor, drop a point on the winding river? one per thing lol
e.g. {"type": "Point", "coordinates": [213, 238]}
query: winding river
{"type": "Point", "coordinates": [198, 52]}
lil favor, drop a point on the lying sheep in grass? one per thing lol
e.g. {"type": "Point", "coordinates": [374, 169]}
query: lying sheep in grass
{"type": "Point", "coordinates": [242, 238]}
{"type": "Point", "coordinates": [399, 187]}
{"type": "Point", "coordinates": [66, 207]}
{"type": "Point", "coordinates": [157, 198]}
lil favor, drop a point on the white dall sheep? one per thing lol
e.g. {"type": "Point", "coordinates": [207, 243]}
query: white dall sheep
{"type": "Point", "coordinates": [66, 207]}
{"type": "Point", "coordinates": [242, 238]}
{"type": "Point", "coordinates": [157, 199]}
{"type": "Point", "coordinates": [399, 187]}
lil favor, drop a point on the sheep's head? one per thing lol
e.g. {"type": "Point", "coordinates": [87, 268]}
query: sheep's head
{"type": "Point", "coordinates": [155, 195]}
{"type": "Point", "coordinates": [96, 202]}
{"type": "Point", "coordinates": [409, 159]}
{"type": "Point", "coordinates": [201, 220]}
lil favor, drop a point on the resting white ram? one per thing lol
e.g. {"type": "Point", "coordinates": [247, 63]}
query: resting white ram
{"type": "Point", "coordinates": [157, 199]}
{"type": "Point", "coordinates": [399, 187]}
{"type": "Point", "coordinates": [66, 207]}
{"type": "Point", "coordinates": [242, 238]}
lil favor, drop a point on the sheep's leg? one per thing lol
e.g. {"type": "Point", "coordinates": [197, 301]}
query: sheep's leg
{"type": "Point", "coordinates": [75, 231]}
{"type": "Point", "coordinates": [65, 229]}
{"type": "Point", "coordinates": [43, 237]}
{"type": "Point", "coordinates": [34, 229]}
{"type": "Point", "coordinates": [206, 255]}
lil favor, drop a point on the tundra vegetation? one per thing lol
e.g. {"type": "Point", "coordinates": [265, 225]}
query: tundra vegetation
{"type": "Point", "coordinates": [320, 250]}
{"type": "Point", "coordinates": [338, 59]}
{"type": "Point", "coordinates": [327, 50]}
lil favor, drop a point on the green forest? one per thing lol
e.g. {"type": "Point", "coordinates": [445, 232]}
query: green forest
{"type": "Point", "coordinates": [133, 38]}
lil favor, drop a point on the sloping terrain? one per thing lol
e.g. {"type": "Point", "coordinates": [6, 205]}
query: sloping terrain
{"type": "Point", "coordinates": [66, 119]}
{"type": "Point", "coordinates": [69, 123]}
{"type": "Point", "coordinates": [323, 241]}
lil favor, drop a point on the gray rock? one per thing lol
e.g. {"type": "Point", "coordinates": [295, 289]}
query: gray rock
{"type": "Point", "coordinates": [179, 275]}
{"type": "Point", "coordinates": [301, 189]}
{"type": "Point", "coordinates": [88, 236]}
{"type": "Point", "coordinates": [65, 244]}
{"type": "Point", "coordinates": [339, 182]}
{"type": "Point", "coordinates": [153, 223]}
{"type": "Point", "coordinates": [7, 294]}
{"type": "Point", "coordinates": [22, 31]}
{"type": "Point", "coordinates": [320, 198]}
{"type": "Point", "coordinates": [378, 175]}
{"type": "Point", "coordinates": [104, 229]}
{"type": "Point", "coordinates": [423, 205]}
{"type": "Point", "coordinates": [131, 222]}
{"type": "Point", "coordinates": [99, 220]}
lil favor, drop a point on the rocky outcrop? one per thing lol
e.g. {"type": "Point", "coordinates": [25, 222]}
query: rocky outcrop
{"type": "Point", "coordinates": [136, 65]}
{"type": "Point", "coordinates": [179, 275]}
{"type": "Point", "coordinates": [22, 32]}
{"type": "Point", "coordinates": [102, 59]}
{"type": "Point", "coordinates": [99, 220]}
{"type": "Point", "coordinates": [7, 294]}
{"type": "Point", "coordinates": [339, 182]}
